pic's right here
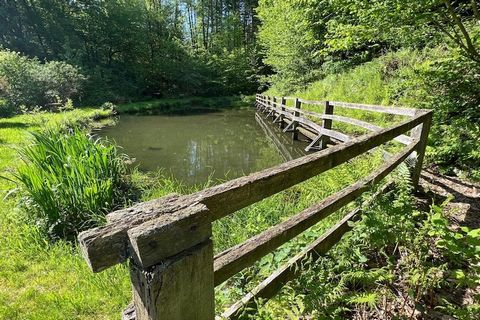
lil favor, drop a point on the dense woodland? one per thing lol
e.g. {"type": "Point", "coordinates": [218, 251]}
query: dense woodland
{"type": "Point", "coordinates": [67, 65]}
{"type": "Point", "coordinates": [136, 48]}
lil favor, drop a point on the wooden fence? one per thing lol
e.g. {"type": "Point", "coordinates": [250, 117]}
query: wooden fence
{"type": "Point", "coordinates": [168, 241]}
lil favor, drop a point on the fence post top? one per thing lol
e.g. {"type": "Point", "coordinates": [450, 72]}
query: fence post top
{"type": "Point", "coordinates": [147, 232]}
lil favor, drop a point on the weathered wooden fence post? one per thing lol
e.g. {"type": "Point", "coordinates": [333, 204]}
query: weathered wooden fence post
{"type": "Point", "coordinates": [283, 102]}
{"type": "Point", "coordinates": [267, 105]}
{"type": "Point", "coordinates": [420, 132]}
{"type": "Point", "coordinates": [327, 124]}
{"type": "Point", "coordinates": [172, 268]}
{"type": "Point", "coordinates": [274, 106]}
{"type": "Point", "coordinates": [298, 105]}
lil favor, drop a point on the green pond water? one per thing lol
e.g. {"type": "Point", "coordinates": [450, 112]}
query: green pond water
{"type": "Point", "coordinates": [193, 148]}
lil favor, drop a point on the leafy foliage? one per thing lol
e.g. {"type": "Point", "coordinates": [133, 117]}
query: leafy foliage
{"type": "Point", "coordinates": [29, 83]}
{"type": "Point", "coordinates": [397, 262]}
{"type": "Point", "coordinates": [289, 39]}
{"type": "Point", "coordinates": [135, 48]}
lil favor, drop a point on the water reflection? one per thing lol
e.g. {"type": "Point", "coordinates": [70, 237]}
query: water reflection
{"type": "Point", "coordinates": [223, 145]}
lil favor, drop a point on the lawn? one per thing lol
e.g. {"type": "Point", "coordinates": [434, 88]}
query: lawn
{"type": "Point", "coordinates": [40, 280]}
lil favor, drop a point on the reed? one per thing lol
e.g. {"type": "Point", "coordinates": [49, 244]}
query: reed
{"type": "Point", "coordinates": [70, 181]}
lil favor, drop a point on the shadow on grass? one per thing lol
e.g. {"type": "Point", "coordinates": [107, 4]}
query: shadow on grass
{"type": "Point", "coordinates": [13, 125]}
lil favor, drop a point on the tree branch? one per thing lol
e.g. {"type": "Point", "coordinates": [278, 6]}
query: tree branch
{"type": "Point", "coordinates": [455, 38]}
{"type": "Point", "coordinates": [469, 44]}
{"type": "Point", "coordinates": [476, 12]}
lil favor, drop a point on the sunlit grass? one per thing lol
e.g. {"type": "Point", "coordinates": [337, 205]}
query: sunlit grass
{"type": "Point", "coordinates": [39, 280]}
{"type": "Point", "coordinates": [363, 84]}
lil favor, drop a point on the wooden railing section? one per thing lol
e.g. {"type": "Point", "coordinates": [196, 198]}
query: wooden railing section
{"type": "Point", "coordinates": [168, 241]}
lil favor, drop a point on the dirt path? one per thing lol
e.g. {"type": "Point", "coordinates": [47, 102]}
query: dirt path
{"type": "Point", "coordinates": [463, 209]}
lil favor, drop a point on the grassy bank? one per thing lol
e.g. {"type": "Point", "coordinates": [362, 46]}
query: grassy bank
{"type": "Point", "coordinates": [433, 78]}
{"type": "Point", "coordinates": [38, 279]}
{"type": "Point", "coordinates": [184, 105]}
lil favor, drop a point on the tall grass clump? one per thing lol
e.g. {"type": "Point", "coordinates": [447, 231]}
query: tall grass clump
{"type": "Point", "coordinates": [70, 181]}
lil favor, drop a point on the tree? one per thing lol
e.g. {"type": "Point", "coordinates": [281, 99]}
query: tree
{"type": "Point", "coordinates": [403, 22]}
{"type": "Point", "coordinates": [290, 38]}
{"type": "Point", "coordinates": [131, 48]}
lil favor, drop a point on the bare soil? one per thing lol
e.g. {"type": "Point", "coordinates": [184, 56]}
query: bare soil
{"type": "Point", "coordinates": [464, 206]}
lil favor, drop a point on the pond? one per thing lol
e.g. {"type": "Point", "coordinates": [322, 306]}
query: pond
{"type": "Point", "coordinates": [194, 148]}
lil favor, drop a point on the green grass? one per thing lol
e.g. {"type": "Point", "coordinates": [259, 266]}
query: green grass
{"type": "Point", "coordinates": [369, 83]}
{"type": "Point", "coordinates": [39, 280]}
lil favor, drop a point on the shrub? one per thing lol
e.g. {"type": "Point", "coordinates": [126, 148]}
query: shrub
{"type": "Point", "coordinates": [447, 83]}
{"type": "Point", "coordinates": [28, 82]}
{"type": "Point", "coordinates": [5, 109]}
{"type": "Point", "coordinates": [70, 181]}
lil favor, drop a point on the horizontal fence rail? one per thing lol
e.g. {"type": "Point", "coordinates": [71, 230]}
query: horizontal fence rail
{"type": "Point", "coordinates": [168, 241]}
{"type": "Point", "coordinates": [275, 108]}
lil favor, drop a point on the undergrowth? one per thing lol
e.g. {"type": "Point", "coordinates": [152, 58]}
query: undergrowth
{"type": "Point", "coordinates": [397, 263]}
{"type": "Point", "coordinates": [40, 279]}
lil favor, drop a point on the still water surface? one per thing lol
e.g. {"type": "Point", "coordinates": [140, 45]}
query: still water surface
{"type": "Point", "coordinates": [221, 145]}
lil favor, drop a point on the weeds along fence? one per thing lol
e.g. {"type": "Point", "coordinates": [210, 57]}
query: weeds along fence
{"type": "Point", "coordinates": [168, 241]}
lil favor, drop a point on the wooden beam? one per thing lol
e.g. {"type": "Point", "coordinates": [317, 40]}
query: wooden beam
{"type": "Point", "coordinates": [363, 124]}
{"type": "Point", "coordinates": [366, 107]}
{"type": "Point", "coordinates": [375, 108]}
{"type": "Point", "coordinates": [327, 124]}
{"type": "Point", "coordinates": [314, 142]}
{"type": "Point", "coordinates": [283, 102]}
{"type": "Point", "coordinates": [167, 201]}
{"type": "Point", "coordinates": [324, 131]}
{"type": "Point", "coordinates": [181, 287]}
{"type": "Point", "coordinates": [103, 247]}
{"type": "Point", "coordinates": [163, 237]}
{"type": "Point", "coordinates": [421, 132]}
{"type": "Point", "coordinates": [235, 259]}
{"type": "Point", "coordinates": [314, 102]}
{"type": "Point", "coordinates": [296, 115]}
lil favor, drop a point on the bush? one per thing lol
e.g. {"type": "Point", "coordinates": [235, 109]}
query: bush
{"type": "Point", "coordinates": [447, 83]}
{"type": "Point", "coordinates": [70, 181]}
{"type": "Point", "coordinates": [5, 109]}
{"type": "Point", "coordinates": [28, 82]}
